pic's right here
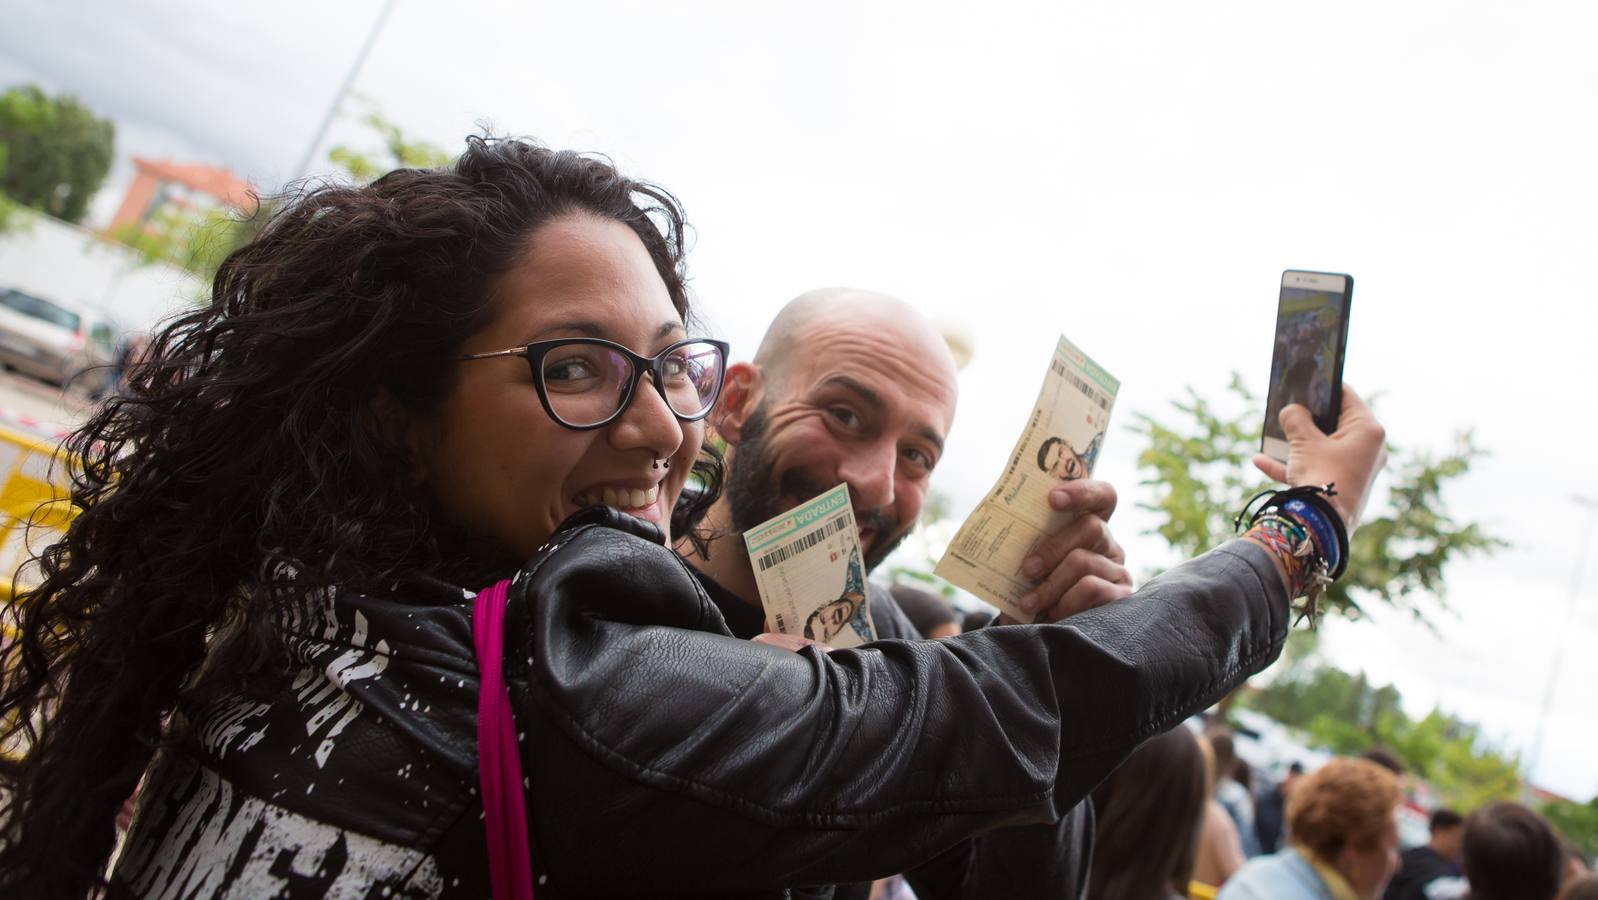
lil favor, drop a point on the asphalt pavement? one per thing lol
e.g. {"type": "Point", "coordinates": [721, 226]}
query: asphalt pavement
{"type": "Point", "coordinates": [38, 407]}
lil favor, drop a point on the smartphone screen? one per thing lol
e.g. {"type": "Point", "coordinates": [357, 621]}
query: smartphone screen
{"type": "Point", "coordinates": [1307, 365]}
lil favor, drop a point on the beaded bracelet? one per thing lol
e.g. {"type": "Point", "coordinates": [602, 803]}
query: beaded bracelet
{"type": "Point", "coordinates": [1321, 529]}
{"type": "Point", "coordinates": [1304, 503]}
{"type": "Point", "coordinates": [1302, 530]}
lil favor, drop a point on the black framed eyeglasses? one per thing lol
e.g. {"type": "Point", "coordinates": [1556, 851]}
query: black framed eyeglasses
{"type": "Point", "coordinates": [587, 382]}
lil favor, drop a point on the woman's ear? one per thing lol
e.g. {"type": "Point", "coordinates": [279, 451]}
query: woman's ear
{"type": "Point", "coordinates": [740, 395]}
{"type": "Point", "coordinates": [396, 427]}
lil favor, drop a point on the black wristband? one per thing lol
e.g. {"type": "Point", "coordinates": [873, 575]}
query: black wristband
{"type": "Point", "coordinates": [1312, 495]}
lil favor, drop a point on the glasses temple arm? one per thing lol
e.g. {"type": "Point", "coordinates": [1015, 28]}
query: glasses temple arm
{"type": "Point", "coordinates": [518, 351]}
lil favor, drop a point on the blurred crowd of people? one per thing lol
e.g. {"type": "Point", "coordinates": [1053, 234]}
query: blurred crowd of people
{"type": "Point", "coordinates": [1186, 817]}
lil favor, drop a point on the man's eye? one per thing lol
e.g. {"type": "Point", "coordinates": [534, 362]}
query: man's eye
{"type": "Point", "coordinates": [920, 457]}
{"type": "Point", "coordinates": [844, 415]}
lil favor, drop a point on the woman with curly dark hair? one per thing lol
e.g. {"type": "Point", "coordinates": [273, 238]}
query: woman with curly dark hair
{"type": "Point", "coordinates": [302, 435]}
{"type": "Point", "coordinates": [465, 405]}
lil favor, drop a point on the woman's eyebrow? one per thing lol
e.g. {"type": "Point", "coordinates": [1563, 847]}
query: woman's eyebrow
{"type": "Point", "coordinates": [584, 327]}
{"type": "Point", "coordinates": [590, 328]}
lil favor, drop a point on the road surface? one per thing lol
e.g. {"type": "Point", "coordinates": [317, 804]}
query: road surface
{"type": "Point", "coordinates": [39, 408]}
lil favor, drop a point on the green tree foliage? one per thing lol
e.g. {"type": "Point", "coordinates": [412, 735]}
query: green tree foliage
{"type": "Point", "coordinates": [13, 215]}
{"type": "Point", "coordinates": [1348, 715]}
{"type": "Point", "coordinates": [396, 150]}
{"type": "Point", "coordinates": [1198, 469]}
{"type": "Point", "coordinates": [193, 239]}
{"type": "Point", "coordinates": [54, 152]}
{"type": "Point", "coordinates": [1576, 821]}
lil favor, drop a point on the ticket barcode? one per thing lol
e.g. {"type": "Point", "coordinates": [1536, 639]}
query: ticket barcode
{"type": "Point", "coordinates": [1088, 389]}
{"type": "Point", "coordinates": [782, 554]}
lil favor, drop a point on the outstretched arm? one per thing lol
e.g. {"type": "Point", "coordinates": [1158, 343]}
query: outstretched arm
{"type": "Point", "coordinates": [732, 765]}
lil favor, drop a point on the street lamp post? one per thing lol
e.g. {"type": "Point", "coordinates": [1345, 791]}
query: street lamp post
{"type": "Point", "coordinates": [304, 167]}
{"type": "Point", "coordinates": [1591, 505]}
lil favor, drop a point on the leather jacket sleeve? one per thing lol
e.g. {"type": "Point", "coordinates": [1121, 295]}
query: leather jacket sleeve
{"type": "Point", "coordinates": [714, 765]}
{"type": "Point", "coordinates": [1042, 861]}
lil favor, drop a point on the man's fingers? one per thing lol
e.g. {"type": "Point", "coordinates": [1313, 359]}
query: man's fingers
{"type": "Point", "coordinates": [1059, 591]}
{"type": "Point", "coordinates": [1085, 532]}
{"type": "Point", "coordinates": [1349, 458]}
{"type": "Point", "coordinates": [1088, 592]}
{"type": "Point", "coordinates": [1297, 423]}
{"type": "Point", "coordinates": [790, 642]}
{"type": "Point", "coordinates": [1356, 420]}
{"type": "Point", "coordinates": [1274, 469]}
{"type": "Point", "coordinates": [1084, 495]}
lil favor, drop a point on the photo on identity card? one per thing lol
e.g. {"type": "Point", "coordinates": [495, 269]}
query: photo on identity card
{"type": "Point", "coordinates": [1060, 442]}
{"type": "Point", "coordinates": [1064, 433]}
{"type": "Point", "coordinates": [811, 572]}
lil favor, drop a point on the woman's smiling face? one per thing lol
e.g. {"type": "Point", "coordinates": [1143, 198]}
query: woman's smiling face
{"type": "Point", "coordinates": [493, 458]}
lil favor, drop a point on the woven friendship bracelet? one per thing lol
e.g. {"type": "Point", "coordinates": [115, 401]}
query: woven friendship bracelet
{"type": "Point", "coordinates": [1287, 541]}
{"type": "Point", "coordinates": [1308, 505]}
{"type": "Point", "coordinates": [1306, 534]}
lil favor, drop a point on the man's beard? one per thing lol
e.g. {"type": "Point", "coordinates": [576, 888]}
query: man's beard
{"type": "Point", "coordinates": [754, 496]}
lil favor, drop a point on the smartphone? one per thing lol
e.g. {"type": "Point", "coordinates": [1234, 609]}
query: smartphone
{"type": "Point", "coordinates": [1307, 365]}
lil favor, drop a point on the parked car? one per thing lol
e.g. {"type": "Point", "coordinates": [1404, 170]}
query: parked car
{"type": "Point", "coordinates": [63, 344]}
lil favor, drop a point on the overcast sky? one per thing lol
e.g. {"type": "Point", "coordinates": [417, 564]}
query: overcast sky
{"type": "Point", "coordinates": [1135, 175]}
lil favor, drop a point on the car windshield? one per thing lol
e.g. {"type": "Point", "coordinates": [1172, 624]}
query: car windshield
{"type": "Point", "coordinates": [40, 308]}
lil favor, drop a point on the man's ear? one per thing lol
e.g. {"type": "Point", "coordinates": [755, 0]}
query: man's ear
{"type": "Point", "coordinates": [741, 394]}
{"type": "Point", "coordinates": [394, 425]}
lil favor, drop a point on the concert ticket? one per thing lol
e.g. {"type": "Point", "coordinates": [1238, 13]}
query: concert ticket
{"type": "Point", "coordinates": [1061, 442]}
{"type": "Point", "coordinates": [809, 568]}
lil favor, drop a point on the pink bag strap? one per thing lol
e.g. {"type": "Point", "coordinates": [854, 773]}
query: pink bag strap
{"type": "Point", "coordinates": [499, 761]}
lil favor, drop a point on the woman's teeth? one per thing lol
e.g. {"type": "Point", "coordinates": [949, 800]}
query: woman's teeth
{"type": "Point", "coordinates": [620, 498]}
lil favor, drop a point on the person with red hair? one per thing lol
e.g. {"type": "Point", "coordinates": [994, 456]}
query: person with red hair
{"type": "Point", "coordinates": [1344, 839]}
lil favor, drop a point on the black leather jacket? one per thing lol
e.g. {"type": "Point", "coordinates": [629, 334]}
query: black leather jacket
{"type": "Point", "coordinates": [664, 757]}
{"type": "Point", "coordinates": [1046, 861]}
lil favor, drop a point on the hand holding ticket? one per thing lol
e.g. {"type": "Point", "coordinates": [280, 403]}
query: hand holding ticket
{"type": "Point", "coordinates": [811, 573]}
{"type": "Point", "coordinates": [1061, 442]}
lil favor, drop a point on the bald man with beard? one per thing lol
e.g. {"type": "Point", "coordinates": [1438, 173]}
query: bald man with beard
{"type": "Point", "coordinates": [857, 387]}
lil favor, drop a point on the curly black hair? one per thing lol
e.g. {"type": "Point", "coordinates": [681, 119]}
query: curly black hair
{"type": "Point", "coordinates": [244, 466]}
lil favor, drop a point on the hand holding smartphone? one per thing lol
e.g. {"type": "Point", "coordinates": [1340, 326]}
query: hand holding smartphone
{"type": "Point", "coordinates": [1307, 364]}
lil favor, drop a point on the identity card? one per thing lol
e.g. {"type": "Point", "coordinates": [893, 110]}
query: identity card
{"type": "Point", "coordinates": [1061, 442]}
{"type": "Point", "coordinates": [810, 572]}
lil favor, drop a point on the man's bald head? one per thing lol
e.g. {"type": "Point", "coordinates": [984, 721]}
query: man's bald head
{"type": "Point", "coordinates": [870, 311]}
{"type": "Point", "coordinates": [848, 386]}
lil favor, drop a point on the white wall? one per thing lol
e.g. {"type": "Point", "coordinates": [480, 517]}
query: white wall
{"type": "Point", "coordinates": [58, 261]}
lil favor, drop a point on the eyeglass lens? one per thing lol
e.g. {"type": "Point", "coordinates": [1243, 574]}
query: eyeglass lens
{"type": "Point", "coordinates": [586, 383]}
